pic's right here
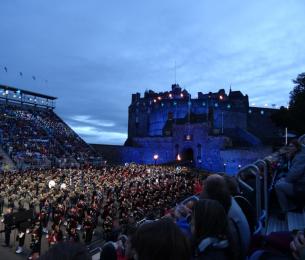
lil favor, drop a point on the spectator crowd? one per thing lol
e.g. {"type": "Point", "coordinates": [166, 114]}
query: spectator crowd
{"type": "Point", "coordinates": [36, 137]}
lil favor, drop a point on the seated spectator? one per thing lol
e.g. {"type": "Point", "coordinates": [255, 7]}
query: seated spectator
{"type": "Point", "coordinates": [182, 216]}
{"type": "Point", "coordinates": [66, 250]}
{"type": "Point", "coordinates": [232, 185]}
{"type": "Point", "coordinates": [286, 187]}
{"type": "Point", "coordinates": [210, 230]}
{"type": "Point", "coordinates": [281, 246]}
{"type": "Point", "coordinates": [160, 240]}
{"type": "Point", "coordinates": [298, 246]}
{"type": "Point", "coordinates": [108, 252]}
{"type": "Point", "coordinates": [215, 188]}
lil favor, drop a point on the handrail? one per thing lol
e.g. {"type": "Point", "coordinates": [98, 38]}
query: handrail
{"type": "Point", "coordinates": [259, 228]}
{"type": "Point", "coordinates": [257, 185]}
{"type": "Point", "coordinates": [247, 186]}
{"type": "Point", "coordinates": [95, 250]}
{"type": "Point", "coordinates": [301, 139]}
{"type": "Point", "coordinates": [265, 172]}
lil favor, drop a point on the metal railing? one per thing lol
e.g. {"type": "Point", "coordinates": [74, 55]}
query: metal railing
{"type": "Point", "coordinates": [302, 139]}
{"type": "Point", "coordinates": [265, 187]}
{"type": "Point", "coordinates": [254, 170]}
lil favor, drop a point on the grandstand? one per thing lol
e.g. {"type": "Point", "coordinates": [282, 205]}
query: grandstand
{"type": "Point", "coordinates": [34, 136]}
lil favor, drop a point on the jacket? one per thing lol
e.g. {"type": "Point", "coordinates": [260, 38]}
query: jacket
{"type": "Point", "coordinates": [296, 172]}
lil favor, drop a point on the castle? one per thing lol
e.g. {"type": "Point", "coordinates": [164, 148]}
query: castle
{"type": "Point", "coordinates": [215, 131]}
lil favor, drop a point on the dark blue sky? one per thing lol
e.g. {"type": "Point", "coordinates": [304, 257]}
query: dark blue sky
{"type": "Point", "coordinates": [95, 54]}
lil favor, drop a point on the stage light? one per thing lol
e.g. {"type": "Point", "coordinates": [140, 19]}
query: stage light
{"type": "Point", "coordinates": [156, 156]}
{"type": "Point", "coordinates": [170, 95]}
{"type": "Point", "coordinates": [159, 98]}
{"type": "Point", "coordinates": [178, 157]}
{"type": "Point", "coordinates": [155, 100]}
{"type": "Point", "coordinates": [181, 95]}
{"type": "Point", "coordinates": [221, 97]}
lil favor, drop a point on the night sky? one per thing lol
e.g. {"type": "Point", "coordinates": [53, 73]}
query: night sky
{"type": "Point", "coordinates": [93, 55]}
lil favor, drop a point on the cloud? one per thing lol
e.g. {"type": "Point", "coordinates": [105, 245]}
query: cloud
{"type": "Point", "coordinates": [95, 55]}
{"type": "Point", "coordinates": [87, 120]}
{"type": "Point", "coordinates": [94, 135]}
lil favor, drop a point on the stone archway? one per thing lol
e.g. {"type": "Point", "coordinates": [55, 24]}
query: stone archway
{"type": "Point", "coordinates": [188, 155]}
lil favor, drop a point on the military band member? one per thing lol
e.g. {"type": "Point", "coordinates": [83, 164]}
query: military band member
{"type": "Point", "coordinates": [8, 223]}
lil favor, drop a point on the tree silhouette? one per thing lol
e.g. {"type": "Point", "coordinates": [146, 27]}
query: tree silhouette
{"type": "Point", "coordinates": [297, 104]}
{"type": "Point", "coordinates": [294, 117]}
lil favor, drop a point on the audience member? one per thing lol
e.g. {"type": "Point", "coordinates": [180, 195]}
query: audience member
{"type": "Point", "coordinates": [215, 188]}
{"type": "Point", "coordinates": [160, 240]}
{"type": "Point", "coordinates": [211, 231]}
{"type": "Point", "coordinates": [285, 187]}
{"type": "Point", "coordinates": [66, 251]}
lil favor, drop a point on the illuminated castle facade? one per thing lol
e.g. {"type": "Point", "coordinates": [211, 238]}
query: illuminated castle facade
{"type": "Point", "coordinates": [210, 131]}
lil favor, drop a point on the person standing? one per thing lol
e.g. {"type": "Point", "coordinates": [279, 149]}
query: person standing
{"type": "Point", "coordinates": [21, 231]}
{"type": "Point", "coordinates": [88, 227]}
{"type": "Point", "coordinates": [8, 222]}
{"type": "Point", "coordinates": [1, 202]}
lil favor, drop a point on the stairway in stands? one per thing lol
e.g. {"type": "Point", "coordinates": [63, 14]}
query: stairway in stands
{"type": "Point", "coordinates": [294, 221]}
{"type": "Point", "coordinates": [8, 164]}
